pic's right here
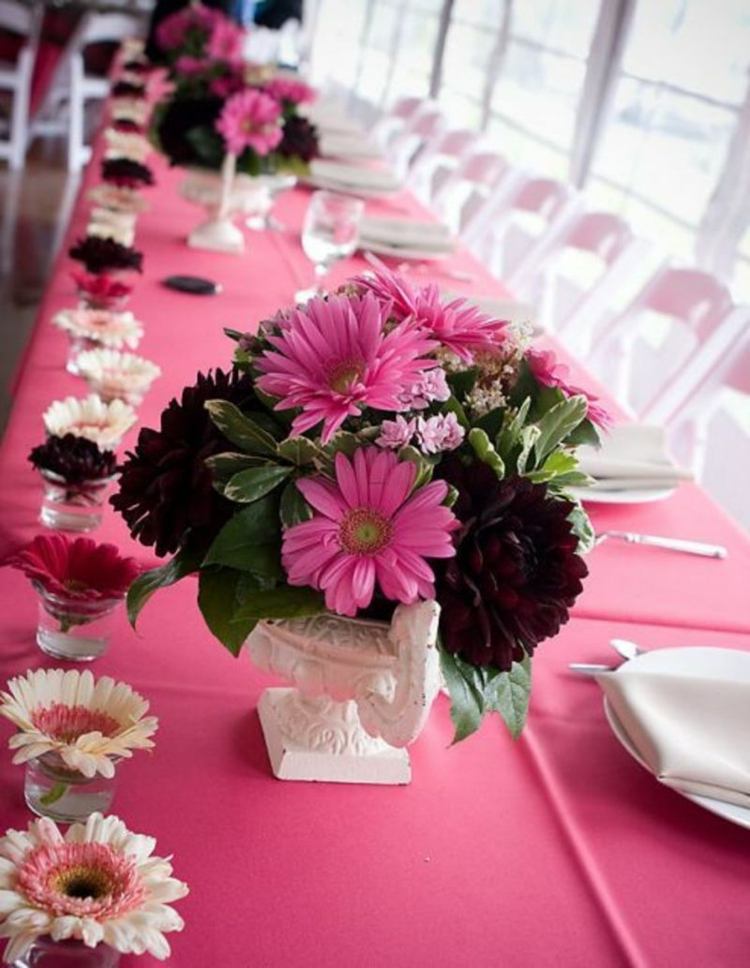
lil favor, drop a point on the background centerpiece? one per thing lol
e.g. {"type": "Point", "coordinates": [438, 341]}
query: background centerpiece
{"type": "Point", "coordinates": [378, 456]}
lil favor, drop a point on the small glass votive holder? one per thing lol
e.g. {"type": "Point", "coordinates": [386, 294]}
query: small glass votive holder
{"type": "Point", "coordinates": [71, 953]}
{"type": "Point", "coordinates": [52, 789]}
{"type": "Point", "coordinates": [72, 507]}
{"type": "Point", "coordinates": [74, 629]}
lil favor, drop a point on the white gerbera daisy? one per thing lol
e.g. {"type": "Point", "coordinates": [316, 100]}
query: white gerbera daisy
{"type": "Point", "coordinates": [115, 375]}
{"type": "Point", "coordinates": [118, 198]}
{"type": "Point", "coordinates": [126, 144]}
{"type": "Point", "coordinates": [107, 216]}
{"type": "Point", "coordinates": [108, 230]}
{"type": "Point", "coordinates": [113, 330]}
{"type": "Point", "coordinates": [88, 723]}
{"type": "Point", "coordinates": [130, 109]}
{"type": "Point", "coordinates": [90, 417]}
{"type": "Point", "coordinates": [99, 883]}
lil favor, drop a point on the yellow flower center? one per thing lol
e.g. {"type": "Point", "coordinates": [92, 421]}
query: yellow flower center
{"type": "Point", "coordinates": [83, 882]}
{"type": "Point", "coordinates": [364, 531]}
{"type": "Point", "coordinates": [344, 375]}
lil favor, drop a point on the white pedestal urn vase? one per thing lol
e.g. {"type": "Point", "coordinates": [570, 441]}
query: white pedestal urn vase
{"type": "Point", "coordinates": [362, 691]}
{"type": "Point", "coordinates": [218, 233]}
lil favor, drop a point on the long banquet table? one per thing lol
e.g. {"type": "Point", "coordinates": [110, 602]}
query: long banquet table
{"type": "Point", "coordinates": [557, 849]}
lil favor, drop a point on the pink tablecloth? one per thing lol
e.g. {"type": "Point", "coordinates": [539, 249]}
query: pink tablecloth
{"type": "Point", "coordinates": [556, 850]}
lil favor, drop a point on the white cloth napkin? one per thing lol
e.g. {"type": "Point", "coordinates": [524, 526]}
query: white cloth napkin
{"type": "Point", "coordinates": [339, 144]}
{"type": "Point", "coordinates": [353, 176]}
{"type": "Point", "coordinates": [632, 456]}
{"type": "Point", "coordinates": [330, 117]}
{"type": "Point", "coordinates": [686, 713]}
{"type": "Point", "coordinates": [407, 233]}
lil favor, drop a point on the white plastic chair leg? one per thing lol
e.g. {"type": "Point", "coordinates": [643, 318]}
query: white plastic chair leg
{"type": "Point", "coordinates": [76, 147]}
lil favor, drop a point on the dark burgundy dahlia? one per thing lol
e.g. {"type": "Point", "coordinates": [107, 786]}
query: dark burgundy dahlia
{"type": "Point", "coordinates": [125, 124]}
{"type": "Point", "coordinates": [74, 459]}
{"type": "Point", "coordinates": [126, 173]}
{"type": "Point", "coordinates": [100, 255]}
{"type": "Point", "coordinates": [516, 571]}
{"type": "Point", "coordinates": [299, 140]}
{"type": "Point", "coordinates": [166, 494]}
{"type": "Point", "coordinates": [128, 89]}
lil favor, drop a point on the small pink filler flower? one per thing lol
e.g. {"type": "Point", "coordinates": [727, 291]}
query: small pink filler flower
{"type": "Point", "coordinates": [368, 528]}
{"type": "Point", "coordinates": [250, 119]}
{"type": "Point", "coordinates": [333, 357]}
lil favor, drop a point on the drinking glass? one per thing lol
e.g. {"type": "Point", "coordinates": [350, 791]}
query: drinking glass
{"type": "Point", "coordinates": [330, 232]}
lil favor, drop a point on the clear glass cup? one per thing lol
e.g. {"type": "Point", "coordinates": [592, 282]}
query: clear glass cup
{"type": "Point", "coordinates": [72, 507]}
{"type": "Point", "coordinates": [52, 789]}
{"type": "Point", "coordinates": [46, 953]}
{"type": "Point", "coordinates": [73, 629]}
{"type": "Point", "coordinates": [274, 185]}
{"type": "Point", "coordinates": [330, 232]}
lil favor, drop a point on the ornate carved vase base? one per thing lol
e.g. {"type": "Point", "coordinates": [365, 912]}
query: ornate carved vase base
{"type": "Point", "coordinates": [321, 739]}
{"type": "Point", "coordinates": [217, 235]}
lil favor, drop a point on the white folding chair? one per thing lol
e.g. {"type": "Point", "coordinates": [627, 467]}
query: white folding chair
{"type": "Point", "coordinates": [637, 353]}
{"type": "Point", "coordinates": [396, 119]}
{"type": "Point", "coordinates": [21, 20]}
{"type": "Point", "coordinates": [706, 410]}
{"type": "Point", "coordinates": [65, 106]}
{"type": "Point", "coordinates": [437, 160]}
{"type": "Point", "coordinates": [511, 231]}
{"type": "Point", "coordinates": [463, 193]}
{"type": "Point", "coordinates": [406, 146]}
{"type": "Point", "coordinates": [580, 274]}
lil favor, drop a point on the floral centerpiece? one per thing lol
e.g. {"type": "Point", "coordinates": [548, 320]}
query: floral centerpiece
{"type": "Point", "coordinates": [376, 448]}
{"type": "Point", "coordinates": [98, 884]}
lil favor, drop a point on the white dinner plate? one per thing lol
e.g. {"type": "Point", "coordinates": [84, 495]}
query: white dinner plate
{"type": "Point", "coordinates": [704, 663]}
{"type": "Point", "coordinates": [345, 188]}
{"type": "Point", "coordinates": [408, 252]}
{"type": "Point", "coordinates": [590, 495]}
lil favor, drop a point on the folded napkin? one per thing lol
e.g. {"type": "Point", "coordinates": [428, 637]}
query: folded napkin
{"type": "Point", "coordinates": [354, 176]}
{"type": "Point", "coordinates": [407, 233]}
{"type": "Point", "coordinates": [632, 456]}
{"type": "Point", "coordinates": [347, 145]}
{"type": "Point", "coordinates": [329, 117]}
{"type": "Point", "coordinates": [686, 713]}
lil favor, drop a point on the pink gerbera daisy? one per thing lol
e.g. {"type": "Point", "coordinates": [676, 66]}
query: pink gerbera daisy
{"type": "Point", "coordinates": [333, 357]}
{"type": "Point", "coordinates": [80, 568]}
{"type": "Point", "coordinates": [250, 119]}
{"type": "Point", "coordinates": [290, 90]}
{"type": "Point", "coordinates": [461, 328]}
{"type": "Point", "coordinates": [546, 370]}
{"type": "Point", "coordinates": [368, 528]}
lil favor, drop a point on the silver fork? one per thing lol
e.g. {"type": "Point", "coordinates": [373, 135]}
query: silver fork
{"type": "Point", "coordinates": [672, 544]}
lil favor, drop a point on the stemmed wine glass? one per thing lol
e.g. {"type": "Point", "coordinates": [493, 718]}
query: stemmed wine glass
{"type": "Point", "coordinates": [330, 232]}
{"type": "Point", "coordinates": [273, 185]}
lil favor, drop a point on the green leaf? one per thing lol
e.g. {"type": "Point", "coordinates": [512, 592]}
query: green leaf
{"type": "Point", "coordinates": [560, 421]}
{"type": "Point", "coordinates": [467, 701]}
{"type": "Point", "coordinates": [463, 381]}
{"type": "Point", "coordinates": [508, 694]}
{"type": "Point", "coordinates": [585, 433]}
{"type": "Point", "coordinates": [225, 466]}
{"type": "Point", "coordinates": [299, 450]}
{"type": "Point", "coordinates": [293, 509]}
{"type": "Point", "coordinates": [184, 563]}
{"type": "Point", "coordinates": [482, 447]}
{"type": "Point", "coordinates": [558, 462]}
{"type": "Point", "coordinates": [255, 482]}
{"type": "Point", "coordinates": [240, 429]}
{"type": "Point", "coordinates": [345, 442]}
{"type": "Point", "coordinates": [492, 421]}
{"type": "Point", "coordinates": [451, 405]}
{"type": "Point", "coordinates": [451, 497]}
{"type": "Point", "coordinates": [218, 601]}
{"type": "Point", "coordinates": [283, 602]}
{"type": "Point", "coordinates": [509, 433]}
{"type": "Point", "coordinates": [529, 436]}
{"type": "Point", "coordinates": [583, 529]}
{"type": "Point", "coordinates": [250, 540]}
{"type": "Point", "coordinates": [425, 464]}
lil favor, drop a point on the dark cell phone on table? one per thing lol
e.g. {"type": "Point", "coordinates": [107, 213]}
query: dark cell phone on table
{"type": "Point", "coordinates": [195, 285]}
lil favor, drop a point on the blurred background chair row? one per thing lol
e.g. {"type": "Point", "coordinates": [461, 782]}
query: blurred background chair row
{"type": "Point", "coordinates": [665, 339]}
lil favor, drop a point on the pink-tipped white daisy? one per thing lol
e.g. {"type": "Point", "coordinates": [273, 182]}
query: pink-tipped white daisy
{"type": "Point", "coordinates": [334, 357]}
{"type": "Point", "coordinates": [90, 724]}
{"type": "Point", "coordinates": [369, 529]}
{"type": "Point", "coordinates": [118, 198]}
{"type": "Point", "coordinates": [112, 330]}
{"type": "Point", "coordinates": [117, 376]}
{"type": "Point", "coordinates": [127, 144]}
{"type": "Point", "coordinates": [111, 230]}
{"type": "Point", "coordinates": [98, 883]}
{"type": "Point", "coordinates": [90, 417]}
{"type": "Point", "coordinates": [460, 327]}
